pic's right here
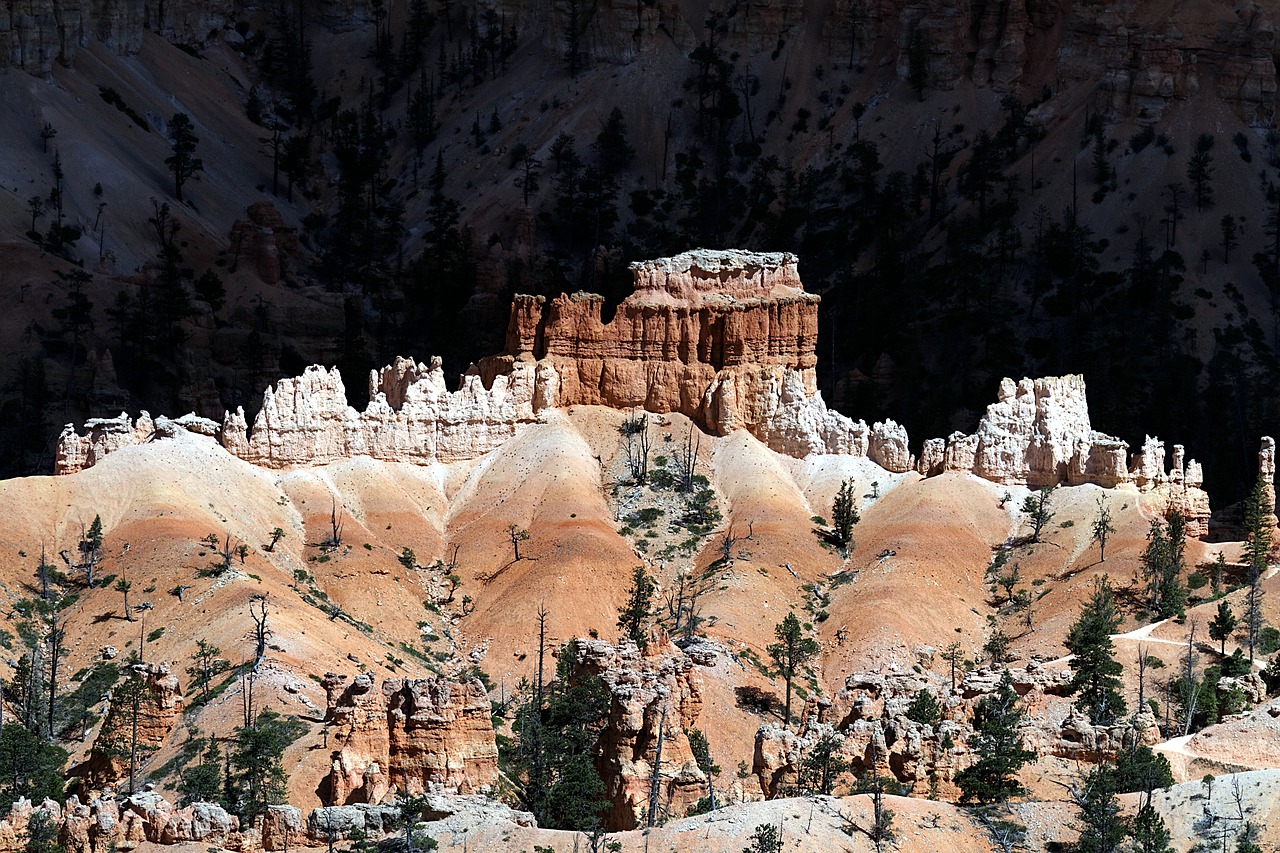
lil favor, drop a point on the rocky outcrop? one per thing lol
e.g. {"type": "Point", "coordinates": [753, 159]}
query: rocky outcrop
{"type": "Point", "coordinates": [726, 338]}
{"type": "Point", "coordinates": [1267, 470]}
{"type": "Point", "coordinates": [414, 735]}
{"type": "Point", "coordinates": [264, 242]}
{"type": "Point", "coordinates": [867, 722]}
{"type": "Point", "coordinates": [1140, 58]}
{"type": "Point", "coordinates": [656, 697]}
{"type": "Point", "coordinates": [1038, 433]}
{"type": "Point", "coordinates": [75, 452]}
{"type": "Point", "coordinates": [105, 824]}
{"type": "Point", "coordinates": [159, 707]}
{"type": "Point", "coordinates": [461, 812]}
{"type": "Point", "coordinates": [411, 417]}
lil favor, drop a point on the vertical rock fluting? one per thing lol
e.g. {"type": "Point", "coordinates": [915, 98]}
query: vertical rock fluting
{"type": "Point", "coordinates": [414, 735]}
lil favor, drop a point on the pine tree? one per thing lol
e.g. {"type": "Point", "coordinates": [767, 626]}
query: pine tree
{"type": "Point", "coordinates": [996, 742]}
{"type": "Point", "coordinates": [558, 729]}
{"type": "Point", "coordinates": [1102, 828]}
{"type": "Point", "coordinates": [611, 146]}
{"type": "Point", "coordinates": [790, 653]}
{"type": "Point", "coordinates": [1257, 550]}
{"type": "Point", "coordinates": [844, 515]}
{"type": "Point", "coordinates": [258, 758]}
{"type": "Point", "coordinates": [1200, 170]}
{"type": "Point", "coordinates": [1102, 528]}
{"type": "Point", "coordinates": [1221, 626]}
{"type": "Point", "coordinates": [633, 617]}
{"type": "Point", "coordinates": [202, 783]}
{"type": "Point", "coordinates": [183, 162]}
{"type": "Point", "coordinates": [30, 766]}
{"type": "Point", "coordinates": [1095, 672]}
{"type": "Point", "coordinates": [1036, 506]}
{"type": "Point", "coordinates": [1163, 562]}
{"type": "Point", "coordinates": [766, 839]}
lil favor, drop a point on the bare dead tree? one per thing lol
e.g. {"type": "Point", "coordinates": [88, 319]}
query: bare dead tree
{"type": "Point", "coordinates": [636, 442]}
{"type": "Point", "coordinates": [1144, 661]}
{"type": "Point", "coordinates": [655, 779]}
{"type": "Point", "coordinates": [260, 629]}
{"type": "Point", "coordinates": [335, 525]}
{"type": "Point", "coordinates": [686, 460]}
{"type": "Point", "coordinates": [543, 613]}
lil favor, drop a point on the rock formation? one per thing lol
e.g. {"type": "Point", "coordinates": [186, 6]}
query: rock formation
{"type": "Point", "coordinates": [1038, 433]}
{"type": "Point", "coordinates": [868, 718]}
{"type": "Point", "coordinates": [411, 734]}
{"type": "Point", "coordinates": [727, 338]}
{"type": "Point", "coordinates": [1140, 59]}
{"type": "Point", "coordinates": [76, 452]}
{"type": "Point", "coordinates": [656, 697]}
{"type": "Point", "coordinates": [1267, 470]}
{"type": "Point", "coordinates": [105, 824]}
{"type": "Point", "coordinates": [158, 708]}
{"type": "Point", "coordinates": [411, 417]}
{"type": "Point", "coordinates": [264, 241]}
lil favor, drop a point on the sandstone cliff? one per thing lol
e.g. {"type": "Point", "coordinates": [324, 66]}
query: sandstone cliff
{"type": "Point", "coordinates": [35, 33]}
{"type": "Point", "coordinates": [1139, 57]}
{"type": "Point", "coordinates": [414, 735]}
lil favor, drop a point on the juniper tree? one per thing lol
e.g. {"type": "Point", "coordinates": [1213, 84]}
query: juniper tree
{"type": "Point", "coordinates": [1095, 673]}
